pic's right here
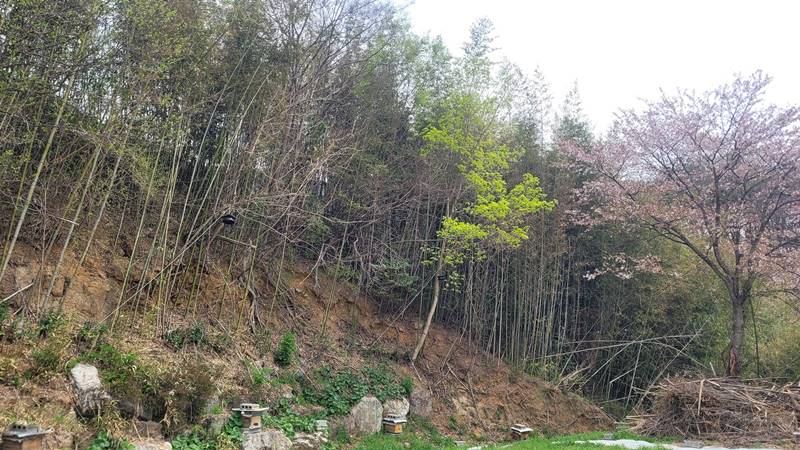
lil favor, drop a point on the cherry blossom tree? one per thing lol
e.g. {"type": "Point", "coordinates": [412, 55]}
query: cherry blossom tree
{"type": "Point", "coordinates": [717, 172]}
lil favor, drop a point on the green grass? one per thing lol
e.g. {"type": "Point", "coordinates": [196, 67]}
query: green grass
{"type": "Point", "coordinates": [419, 435]}
{"type": "Point", "coordinates": [569, 442]}
{"type": "Point", "coordinates": [424, 442]}
{"type": "Point", "coordinates": [398, 442]}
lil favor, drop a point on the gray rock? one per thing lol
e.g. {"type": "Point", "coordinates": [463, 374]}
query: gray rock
{"type": "Point", "coordinates": [151, 444]}
{"type": "Point", "coordinates": [321, 425]}
{"type": "Point", "coordinates": [421, 404]}
{"type": "Point", "coordinates": [396, 407]}
{"type": "Point", "coordinates": [365, 417]}
{"type": "Point", "coordinates": [309, 441]}
{"type": "Point", "coordinates": [89, 392]}
{"type": "Point", "coordinates": [266, 440]}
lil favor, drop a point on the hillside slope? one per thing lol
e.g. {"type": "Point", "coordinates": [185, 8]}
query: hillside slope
{"type": "Point", "coordinates": [473, 394]}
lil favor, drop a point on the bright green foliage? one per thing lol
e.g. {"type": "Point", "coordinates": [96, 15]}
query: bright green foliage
{"type": "Point", "coordinates": [494, 215]}
{"type": "Point", "coordinates": [90, 333]}
{"type": "Point", "coordinates": [286, 350]}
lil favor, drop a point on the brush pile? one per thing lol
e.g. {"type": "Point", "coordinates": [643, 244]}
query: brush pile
{"type": "Point", "coordinates": [725, 409]}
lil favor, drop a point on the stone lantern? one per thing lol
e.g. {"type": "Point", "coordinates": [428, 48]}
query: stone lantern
{"type": "Point", "coordinates": [251, 416]}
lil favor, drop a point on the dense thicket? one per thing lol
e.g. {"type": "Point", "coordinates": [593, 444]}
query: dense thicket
{"type": "Point", "coordinates": [334, 134]}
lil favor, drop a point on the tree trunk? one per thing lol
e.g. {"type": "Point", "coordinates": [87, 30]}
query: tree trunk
{"type": "Point", "coordinates": [434, 302]}
{"type": "Point", "coordinates": [737, 335]}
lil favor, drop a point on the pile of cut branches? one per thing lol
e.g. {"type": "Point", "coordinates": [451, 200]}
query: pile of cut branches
{"type": "Point", "coordinates": [725, 409]}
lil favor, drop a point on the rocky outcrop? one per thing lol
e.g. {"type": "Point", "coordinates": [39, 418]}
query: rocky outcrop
{"type": "Point", "coordinates": [266, 440]}
{"type": "Point", "coordinates": [309, 441]}
{"type": "Point", "coordinates": [151, 444]}
{"type": "Point", "coordinates": [397, 407]}
{"type": "Point", "coordinates": [365, 417]}
{"type": "Point", "coordinates": [89, 392]}
{"type": "Point", "coordinates": [421, 404]}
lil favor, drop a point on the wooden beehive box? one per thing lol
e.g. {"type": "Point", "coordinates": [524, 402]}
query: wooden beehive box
{"type": "Point", "coordinates": [520, 432]}
{"type": "Point", "coordinates": [393, 424]}
{"type": "Point", "coordinates": [23, 437]}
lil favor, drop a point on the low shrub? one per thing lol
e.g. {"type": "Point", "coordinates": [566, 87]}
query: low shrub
{"type": "Point", "coordinates": [46, 359]}
{"type": "Point", "coordinates": [230, 437]}
{"type": "Point", "coordinates": [90, 334]}
{"type": "Point", "coordinates": [286, 350]}
{"type": "Point", "coordinates": [179, 392]}
{"type": "Point", "coordinates": [181, 337]}
{"type": "Point", "coordinates": [49, 323]}
{"type": "Point", "coordinates": [285, 419]}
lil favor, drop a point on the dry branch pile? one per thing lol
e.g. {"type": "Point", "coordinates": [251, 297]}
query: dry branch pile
{"type": "Point", "coordinates": [725, 409]}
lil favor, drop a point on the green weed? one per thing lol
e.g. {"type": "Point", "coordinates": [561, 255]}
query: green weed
{"type": "Point", "coordinates": [286, 350]}
{"type": "Point", "coordinates": [51, 322]}
{"type": "Point", "coordinates": [337, 392]}
{"type": "Point", "coordinates": [105, 440]}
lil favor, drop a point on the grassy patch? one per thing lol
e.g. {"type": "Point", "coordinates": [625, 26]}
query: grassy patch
{"type": "Point", "coordinates": [418, 435]}
{"type": "Point", "coordinates": [570, 442]}
{"type": "Point", "coordinates": [422, 436]}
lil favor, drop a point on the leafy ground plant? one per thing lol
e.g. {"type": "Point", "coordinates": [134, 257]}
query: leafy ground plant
{"type": "Point", "coordinates": [104, 440]}
{"type": "Point", "coordinates": [229, 438]}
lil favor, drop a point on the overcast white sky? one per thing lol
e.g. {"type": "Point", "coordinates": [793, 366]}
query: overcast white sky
{"type": "Point", "coordinates": [620, 51]}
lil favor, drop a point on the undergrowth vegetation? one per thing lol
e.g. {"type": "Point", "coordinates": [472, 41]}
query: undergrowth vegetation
{"type": "Point", "coordinates": [338, 391]}
{"type": "Point", "coordinates": [229, 437]}
{"type": "Point", "coordinates": [286, 350]}
{"type": "Point", "coordinates": [105, 441]}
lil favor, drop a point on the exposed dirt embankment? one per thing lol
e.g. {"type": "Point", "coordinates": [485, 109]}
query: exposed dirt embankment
{"type": "Point", "coordinates": [473, 393]}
